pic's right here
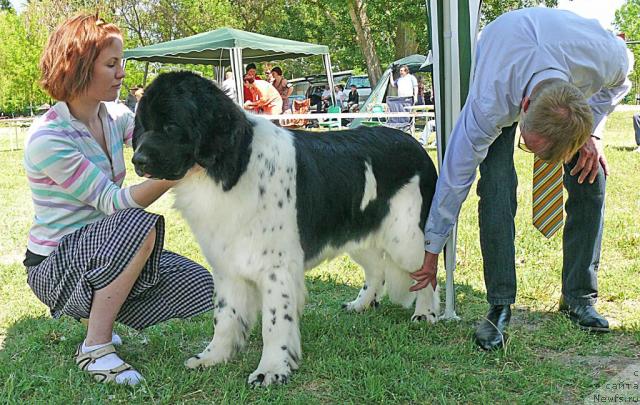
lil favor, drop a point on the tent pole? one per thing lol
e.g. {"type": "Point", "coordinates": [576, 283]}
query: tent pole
{"type": "Point", "coordinates": [327, 65]}
{"type": "Point", "coordinates": [453, 32]}
{"type": "Point", "coordinates": [236, 67]}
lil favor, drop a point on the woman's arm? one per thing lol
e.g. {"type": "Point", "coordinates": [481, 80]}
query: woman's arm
{"type": "Point", "coordinates": [148, 191]}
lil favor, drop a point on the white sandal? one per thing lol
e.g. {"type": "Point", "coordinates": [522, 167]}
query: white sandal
{"type": "Point", "coordinates": [84, 360]}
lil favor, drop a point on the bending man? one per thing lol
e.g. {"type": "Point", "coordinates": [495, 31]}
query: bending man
{"type": "Point", "coordinates": [559, 76]}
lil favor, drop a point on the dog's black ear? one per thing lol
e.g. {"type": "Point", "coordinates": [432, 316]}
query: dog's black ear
{"type": "Point", "coordinates": [223, 136]}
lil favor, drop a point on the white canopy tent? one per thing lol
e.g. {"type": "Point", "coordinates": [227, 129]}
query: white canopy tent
{"type": "Point", "coordinates": [453, 28]}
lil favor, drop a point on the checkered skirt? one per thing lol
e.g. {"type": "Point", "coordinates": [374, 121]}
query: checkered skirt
{"type": "Point", "coordinates": [169, 286]}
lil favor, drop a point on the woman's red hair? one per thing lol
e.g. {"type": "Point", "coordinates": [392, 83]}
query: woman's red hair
{"type": "Point", "coordinates": [70, 55]}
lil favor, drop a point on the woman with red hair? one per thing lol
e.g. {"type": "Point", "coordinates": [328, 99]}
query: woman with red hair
{"type": "Point", "coordinates": [93, 252]}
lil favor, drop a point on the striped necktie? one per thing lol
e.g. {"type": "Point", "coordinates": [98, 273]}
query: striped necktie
{"type": "Point", "coordinates": [547, 196]}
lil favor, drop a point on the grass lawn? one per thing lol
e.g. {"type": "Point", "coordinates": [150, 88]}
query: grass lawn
{"type": "Point", "coordinates": [374, 357]}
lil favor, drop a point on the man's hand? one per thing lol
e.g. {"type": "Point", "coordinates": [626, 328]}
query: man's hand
{"type": "Point", "coordinates": [427, 273]}
{"type": "Point", "coordinates": [590, 157]}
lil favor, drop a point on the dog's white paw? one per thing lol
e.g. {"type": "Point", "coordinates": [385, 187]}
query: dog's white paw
{"type": "Point", "coordinates": [264, 378]}
{"type": "Point", "coordinates": [200, 360]}
{"type": "Point", "coordinates": [429, 317]}
{"type": "Point", "coordinates": [360, 306]}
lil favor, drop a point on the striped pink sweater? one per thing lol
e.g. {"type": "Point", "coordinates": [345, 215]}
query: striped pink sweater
{"type": "Point", "coordinates": [73, 182]}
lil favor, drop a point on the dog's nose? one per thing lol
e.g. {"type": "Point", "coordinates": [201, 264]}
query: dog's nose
{"type": "Point", "coordinates": [139, 159]}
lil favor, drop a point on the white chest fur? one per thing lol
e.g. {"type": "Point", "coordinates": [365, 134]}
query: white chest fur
{"type": "Point", "coordinates": [253, 225]}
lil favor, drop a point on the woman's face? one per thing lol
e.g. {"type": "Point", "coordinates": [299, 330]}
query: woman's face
{"type": "Point", "coordinates": [107, 72]}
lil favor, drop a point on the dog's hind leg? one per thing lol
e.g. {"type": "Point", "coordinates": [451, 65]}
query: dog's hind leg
{"type": "Point", "coordinates": [403, 241]}
{"type": "Point", "coordinates": [234, 314]}
{"type": "Point", "coordinates": [283, 294]}
{"type": "Point", "coordinates": [372, 291]}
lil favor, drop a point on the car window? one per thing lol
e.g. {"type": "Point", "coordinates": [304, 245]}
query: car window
{"type": "Point", "coordinates": [360, 82]}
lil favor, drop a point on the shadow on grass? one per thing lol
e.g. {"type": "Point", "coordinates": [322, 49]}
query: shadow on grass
{"type": "Point", "coordinates": [622, 148]}
{"type": "Point", "coordinates": [375, 356]}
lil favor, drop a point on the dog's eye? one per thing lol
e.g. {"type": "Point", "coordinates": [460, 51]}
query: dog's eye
{"type": "Point", "coordinates": [171, 130]}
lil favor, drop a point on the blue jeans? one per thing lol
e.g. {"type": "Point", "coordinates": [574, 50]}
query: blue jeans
{"type": "Point", "coordinates": [582, 234]}
{"type": "Point", "coordinates": [636, 127]}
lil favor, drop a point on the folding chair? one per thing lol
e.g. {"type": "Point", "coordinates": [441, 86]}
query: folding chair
{"type": "Point", "coordinates": [332, 122]}
{"type": "Point", "coordinates": [399, 104]}
{"type": "Point", "coordinates": [376, 121]}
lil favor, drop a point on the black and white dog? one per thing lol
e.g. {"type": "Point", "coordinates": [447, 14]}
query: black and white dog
{"type": "Point", "coordinates": [266, 204]}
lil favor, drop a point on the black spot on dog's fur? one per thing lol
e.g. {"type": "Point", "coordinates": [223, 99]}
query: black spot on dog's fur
{"type": "Point", "coordinates": [272, 277]}
{"type": "Point", "coordinates": [288, 317]}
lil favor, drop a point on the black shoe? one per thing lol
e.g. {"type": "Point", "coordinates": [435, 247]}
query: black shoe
{"type": "Point", "coordinates": [585, 316]}
{"type": "Point", "coordinates": [490, 333]}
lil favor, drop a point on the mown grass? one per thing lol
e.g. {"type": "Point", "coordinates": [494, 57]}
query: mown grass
{"type": "Point", "coordinates": [375, 357]}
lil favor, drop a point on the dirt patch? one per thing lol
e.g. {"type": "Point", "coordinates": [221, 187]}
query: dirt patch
{"type": "Point", "coordinates": [599, 366]}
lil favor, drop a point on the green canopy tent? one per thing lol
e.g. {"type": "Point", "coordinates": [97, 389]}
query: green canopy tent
{"type": "Point", "coordinates": [453, 28]}
{"type": "Point", "coordinates": [229, 47]}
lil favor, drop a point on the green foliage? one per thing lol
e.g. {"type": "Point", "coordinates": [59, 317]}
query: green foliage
{"type": "Point", "coordinates": [19, 53]}
{"type": "Point", "coordinates": [399, 28]}
{"type": "Point", "coordinates": [491, 9]}
{"type": "Point", "coordinates": [627, 20]}
{"type": "Point", "coordinates": [6, 5]}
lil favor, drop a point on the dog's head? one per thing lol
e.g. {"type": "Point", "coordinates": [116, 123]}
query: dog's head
{"type": "Point", "coordinates": [183, 120]}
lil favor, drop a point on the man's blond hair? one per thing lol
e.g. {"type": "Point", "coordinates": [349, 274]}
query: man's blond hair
{"type": "Point", "coordinates": [559, 112]}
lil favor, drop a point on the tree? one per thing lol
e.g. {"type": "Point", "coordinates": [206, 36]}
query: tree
{"type": "Point", "coordinates": [627, 21]}
{"type": "Point", "coordinates": [19, 54]}
{"type": "Point", "coordinates": [491, 9]}
{"type": "Point", "coordinates": [6, 6]}
{"type": "Point", "coordinates": [360, 19]}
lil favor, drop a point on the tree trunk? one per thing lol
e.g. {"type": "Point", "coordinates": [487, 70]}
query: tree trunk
{"type": "Point", "coordinates": [358, 14]}
{"type": "Point", "coordinates": [406, 40]}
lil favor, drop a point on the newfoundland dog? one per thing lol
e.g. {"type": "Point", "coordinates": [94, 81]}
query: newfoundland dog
{"type": "Point", "coordinates": [266, 203]}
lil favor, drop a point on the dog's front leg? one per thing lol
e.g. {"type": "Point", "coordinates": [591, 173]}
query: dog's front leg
{"type": "Point", "coordinates": [283, 295]}
{"type": "Point", "coordinates": [234, 314]}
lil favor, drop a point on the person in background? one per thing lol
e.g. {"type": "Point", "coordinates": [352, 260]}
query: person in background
{"type": "Point", "coordinates": [566, 74]}
{"type": "Point", "coordinates": [407, 84]}
{"type": "Point", "coordinates": [264, 97]}
{"type": "Point", "coordinates": [251, 71]}
{"type": "Point", "coordinates": [229, 85]}
{"type": "Point", "coordinates": [636, 129]}
{"type": "Point", "coordinates": [353, 99]}
{"type": "Point", "coordinates": [93, 252]}
{"type": "Point", "coordinates": [340, 96]}
{"type": "Point", "coordinates": [282, 85]}
{"type": "Point", "coordinates": [420, 100]}
{"type": "Point", "coordinates": [131, 100]}
{"type": "Point", "coordinates": [325, 98]}
{"type": "Point", "coordinates": [139, 93]}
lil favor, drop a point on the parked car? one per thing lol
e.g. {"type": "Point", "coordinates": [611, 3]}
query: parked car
{"type": "Point", "coordinates": [312, 86]}
{"type": "Point", "coordinates": [362, 84]}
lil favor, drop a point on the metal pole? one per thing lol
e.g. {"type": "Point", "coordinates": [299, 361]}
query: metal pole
{"type": "Point", "coordinates": [327, 64]}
